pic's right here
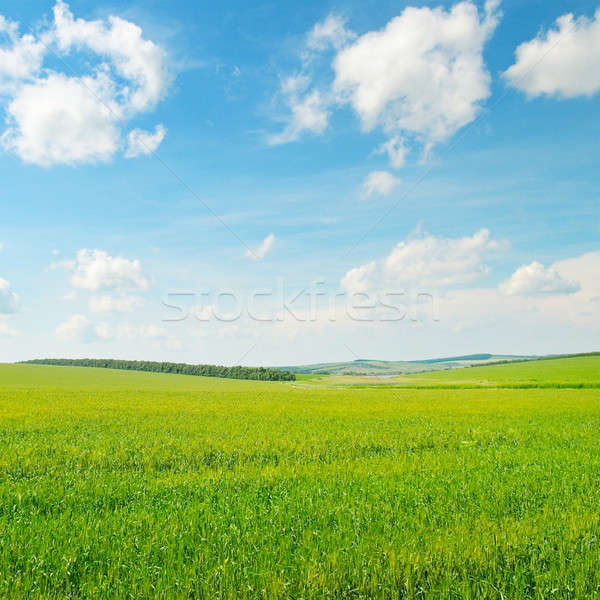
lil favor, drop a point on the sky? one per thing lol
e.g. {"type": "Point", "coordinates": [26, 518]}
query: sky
{"type": "Point", "coordinates": [274, 183]}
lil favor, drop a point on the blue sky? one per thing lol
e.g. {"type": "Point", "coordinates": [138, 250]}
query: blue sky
{"type": "Point", "coordinates": [151, 150]}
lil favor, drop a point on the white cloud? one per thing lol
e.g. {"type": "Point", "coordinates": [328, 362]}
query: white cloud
{"type": "Point", "coordinates": [419, 79]}
{"type": "Point", "coordinates": [79, 328]}
{"type": "Point", "coordinates": [144, 142]}
{"type": "Point", "coordinates": [96, 270]}
{"type": "Point", "coordinates": [21, 59]}
{"type": "Point", "coordinates": [422, 74]}
{"type": "Point", "coordinates": [583, 269]}
{"type": "Point", "coordinates": [260, 251]}
{"type": "Point", "coordinates": [380, 182]}
{"type": "Point", "coordinates": [56, 118]}
{"type": "Point", "coordinates": [6, 331]}
{"type": "Point", "coordinates": [135, 59]}
{"type": "Point", "coordinates": [537, 312]}
{"type": "Point", "coordinates": [9, 301]}
{"type": "Point", "coordinates": [309, 113]}
{"type": "Point", "coordinates": [62, 119]}
{"type": "Point", "coordinates": [108, 304]}
{"type": "Point", "coordinates": [396, 150]}
{"type": "Point", "coordinates": [361, 279]}
{"type": "Point", "coordinates": [428, 261]}
{"type": "Point", "coordinates": [534, 278]}
{"type": "Point", "coordinates": [470, 318]}
{"type": "Point", "coordinates": [148, 332]}
{"type": "Point", "coordinates": [330, 32]}
{"type": "Point", "coordinates": [563, 62]}
{"type": "Point", "coordinates": [457, 320]}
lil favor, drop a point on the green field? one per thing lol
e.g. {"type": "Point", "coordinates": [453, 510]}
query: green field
{"type": "Point", "coordinates": [580, 371]}
{"type": "Point", "coordinates": [573, 372]}
{"type": "Point", "coordinates": [390, 368]}
{"type": "Point", "coordinates": [118, 484]}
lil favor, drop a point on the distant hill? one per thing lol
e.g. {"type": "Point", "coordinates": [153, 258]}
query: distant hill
{"type": "Point", "coordinates": [385, 368]}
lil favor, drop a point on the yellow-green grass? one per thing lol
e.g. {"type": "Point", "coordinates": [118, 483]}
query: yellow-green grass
{"type": "Point", "coordinates": [579, 370]}
{"type": "Point", "coordinates": [117, 484]}
{"type": "Point", "coordinates": [574, 372]}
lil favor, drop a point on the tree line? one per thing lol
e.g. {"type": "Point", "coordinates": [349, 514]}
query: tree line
{"type": "Point", "coordinates": [238, 372]}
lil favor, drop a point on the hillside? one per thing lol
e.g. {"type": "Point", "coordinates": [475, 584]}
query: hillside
{"type": "Point", "coordinates": [572, 370]}
{"type": "Point", "coordinates": [390, 368]}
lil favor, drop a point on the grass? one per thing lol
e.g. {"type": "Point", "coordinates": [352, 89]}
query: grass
{"type": "Point", "coordinates": [118, 484]}
{"type": "Point", "coordinates": [555, 371]}
{"type": "Point", "coordinates": [548, 373]}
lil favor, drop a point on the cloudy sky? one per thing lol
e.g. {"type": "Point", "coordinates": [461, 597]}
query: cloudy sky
{"type": "Point", "coordinates": [283, 183]}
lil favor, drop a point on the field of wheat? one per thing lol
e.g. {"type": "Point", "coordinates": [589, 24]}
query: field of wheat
{"type": "Point", "coordinates": [119, 484]}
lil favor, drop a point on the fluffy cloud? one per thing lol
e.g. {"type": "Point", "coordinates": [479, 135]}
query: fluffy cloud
{"type": "Point", "coordinates": [563, 62]}
{"type": "Point", "coordinates": [534, 278]}
{"type": "Point", "coordinates": [144, 142]}
{"type": "Point", "coordinates": [583, 269]}
{"type": "Point", "coordinates": [419, 79]}
{"type": "Point", "coordinates": [21, 59]}
{"type": "Point", "coordinates": [422, 74]}
{"type": "Point", "coordinates": [331, 32]}
{"type": "Point", "coordinates": [380, 182]}
{"type": "Point", "coordinates": [260, 251]}
{"type": "Point", "coordinates": [79, 328]}
{"type": "Point", "coordinates": [108, 304]}
{"type": "Point", "coordinates": [429, 261]}
{"type": "Point", "coordinates": [62, 119]}
{"type": "Point", "coordinates": [361, 279]}
{"type": "Point", "coordinates": [96, 270]}
{"type": "Point", "coordinates": [308, 113]}
{"type": "Point", "coordinates": [541, 314]}
{"type": "Point", "coordinates": [9, 301]}
{"type": "Point", "coordinates": [56, 118]}
{"type": "Point", "coordinates": [396, 150]}
{"type": "Point", "coordinates": [139, 61]}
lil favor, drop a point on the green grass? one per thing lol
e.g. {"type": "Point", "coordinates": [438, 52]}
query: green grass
{"type": "Point", "coordinates": [382, 367]}
{"type": "Point", "coordinates": [556, 371]}
{"type": "Point", "coordinates": [118, 484]}
{"type": "Point", "coordinates": [548, 373]}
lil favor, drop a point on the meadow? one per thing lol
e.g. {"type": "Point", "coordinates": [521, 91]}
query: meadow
{"type": "Point", "coordinates": [118, 484]}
